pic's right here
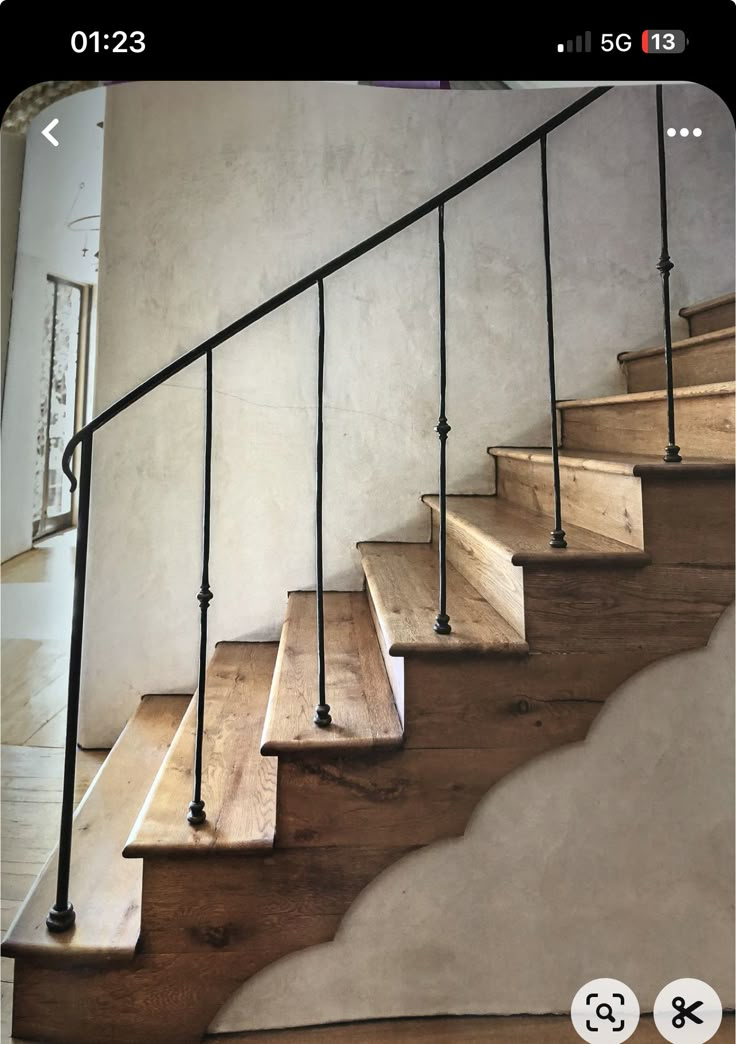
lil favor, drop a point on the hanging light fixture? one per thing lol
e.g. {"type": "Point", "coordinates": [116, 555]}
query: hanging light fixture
{"type": "Point", "coordinates": [85, 223]}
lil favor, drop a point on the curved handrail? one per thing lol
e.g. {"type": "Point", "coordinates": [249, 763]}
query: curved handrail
{"type": "Point", "coordinates": [314, 277]}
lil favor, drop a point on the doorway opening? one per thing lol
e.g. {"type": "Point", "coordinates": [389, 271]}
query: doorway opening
{"type": "Point", "coordinates": [63, 397]}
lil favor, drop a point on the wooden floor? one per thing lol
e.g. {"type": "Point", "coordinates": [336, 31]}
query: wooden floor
{"type": "Point", "coordinates": [470, 1029]}
{"type": "Point", "coordinates": [37, 590]}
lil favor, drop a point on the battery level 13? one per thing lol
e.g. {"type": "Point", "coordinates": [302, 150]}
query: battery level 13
{"type": "Point", "coordinates": [663, 41]}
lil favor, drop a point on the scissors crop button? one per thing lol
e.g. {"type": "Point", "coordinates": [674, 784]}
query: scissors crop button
{"type": "Point", "coordinates": [687, 1011]}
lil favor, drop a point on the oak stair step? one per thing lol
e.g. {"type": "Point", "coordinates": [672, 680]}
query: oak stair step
{"type": "Point", "coordinates": [238, 785]}
{"type": "Point", "coordinates": [522, 537]}
{"type": "Point", "coordinates": [618, 463]}
{"type": "Point", "coordinates": [601, 491]}
{"type": "Point", "coordinates": [637, 423]}
{"type": "Point", "coordinates": [105, 887]}
{"type": "Point", "coordinates": [714, 314]}
{"type": "Point", "coordinates": [402, 583]}
{"type": "Point", "coordinates": [491, 541]}
{"type": "Point", "coordinates": [705, 359]}
{"type": "Point", "coordinates": [358, 690]}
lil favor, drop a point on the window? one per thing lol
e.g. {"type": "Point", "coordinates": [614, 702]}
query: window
{"type": "Point", "coordinates": [63, 397]}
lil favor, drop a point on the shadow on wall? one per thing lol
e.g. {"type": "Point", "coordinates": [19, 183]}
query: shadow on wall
{"type": "Point", "coordinates": [609, 858]}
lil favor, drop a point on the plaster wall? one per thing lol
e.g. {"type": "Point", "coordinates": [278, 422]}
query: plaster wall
{"type": "Point", "coordinates": [217, 195]}
{"type": "Point", "coordinates": [612, 858]}
{"type": "Point", "coordinates": [51, 198]}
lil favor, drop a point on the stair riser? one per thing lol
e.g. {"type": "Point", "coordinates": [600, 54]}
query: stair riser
{"type": "Point", "coordinates": [704, 426]}
{"type": "Point", "coordinates": [155, 1000]}
{"type": "Point", "coordinates": [255, 910]}
{"type": "Point", "coordinates": [604, 502]}
{"type": "Point", "coordinates": [534, 704]}
{"type": "Point", "coordinates": [689, 520]}
{"type": "Point", "coordinates": [490, 573]}
{"type": "Point", "coordinates": [717, 318]}
{"type": "Point", "coordinates": [410, 797]}
{"type": "Point", "coordinates": [701, 364]}
{"type": "Point", "coordinates": [637, 510]}
{"type": "Point", "coordinates": [664, 608]}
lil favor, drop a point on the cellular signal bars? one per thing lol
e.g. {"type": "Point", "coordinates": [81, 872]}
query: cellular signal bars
{"type": "Point", "coordinates": [577, 44]}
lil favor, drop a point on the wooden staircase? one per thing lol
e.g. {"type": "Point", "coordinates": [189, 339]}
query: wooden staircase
{"type": "Point", "coordinates": [171, 919]}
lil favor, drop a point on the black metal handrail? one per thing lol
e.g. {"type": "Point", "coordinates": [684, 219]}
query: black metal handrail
{"type": "Point", "coordinates": [61, 916]}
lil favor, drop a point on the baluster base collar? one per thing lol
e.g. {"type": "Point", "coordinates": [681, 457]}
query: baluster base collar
{"type": "Point", "coordinates": [672, 454]}
{"type": "Point", "coordinates": [442, 624]}
{"type": "Point", "coordinates": [196, 814]}
{"type": "Point", "coordinates": [558, 538]}
{"type": "Point", "coordinates": [60, 920]}
{"type": "Point", "coordinates": [322, 715]}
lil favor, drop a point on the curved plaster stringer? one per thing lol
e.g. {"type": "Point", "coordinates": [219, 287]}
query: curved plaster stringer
{"type": "Point", "coordinates": [613, 857]}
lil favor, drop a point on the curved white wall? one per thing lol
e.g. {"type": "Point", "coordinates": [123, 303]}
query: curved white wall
{"type": "Point", "coordinates": [613, 857]}
{"type": "Point", "coordinates": [217, 195]}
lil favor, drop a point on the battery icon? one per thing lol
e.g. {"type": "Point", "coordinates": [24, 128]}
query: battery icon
{"type": "Point", "coordinates": [663, 41]}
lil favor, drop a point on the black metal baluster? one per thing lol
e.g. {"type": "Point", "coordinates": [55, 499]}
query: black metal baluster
{"type": "Point", "coordinates": [665, 266]}
{"type": "Point", "coordinates": [61, 916]}
{"type": "Point", "coordinates": [558, 533]}
{"type": "Point", "coordinates": [197, 814]}
{"type": "Point", "coordinates": [443, 429]}
{"type": "Point", "coordinates": [322, 710]}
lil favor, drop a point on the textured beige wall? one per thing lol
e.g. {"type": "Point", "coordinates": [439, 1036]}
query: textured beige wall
{"type": "Point", "coordinates": [217, 195]}
{"type": "Point", "coordinates": [609, 858]}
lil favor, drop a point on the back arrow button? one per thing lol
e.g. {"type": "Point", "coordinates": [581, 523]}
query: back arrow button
{"type": "Point", "coordinates": [47, 133]}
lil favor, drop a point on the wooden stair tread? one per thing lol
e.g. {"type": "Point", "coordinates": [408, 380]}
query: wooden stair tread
{"type": "Point", "coordinates": [363, 710]}
{"type": "Point", "coordinates": [706, 306]}
{"type": "Point", "coordinates": [522, 536]}
{"type": "Point", "coordinates": [619, 463]}
{"type": "Point", "coordinates": [238, 785]}
{"type": "Point", "coordinates": [105, 889]}
{"type": "Point", "coordinates": [402, 580]}
{"type": "Point", "coordinates": [690, 392]}
{"type": "Point", "coordinates": [699, 341]}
